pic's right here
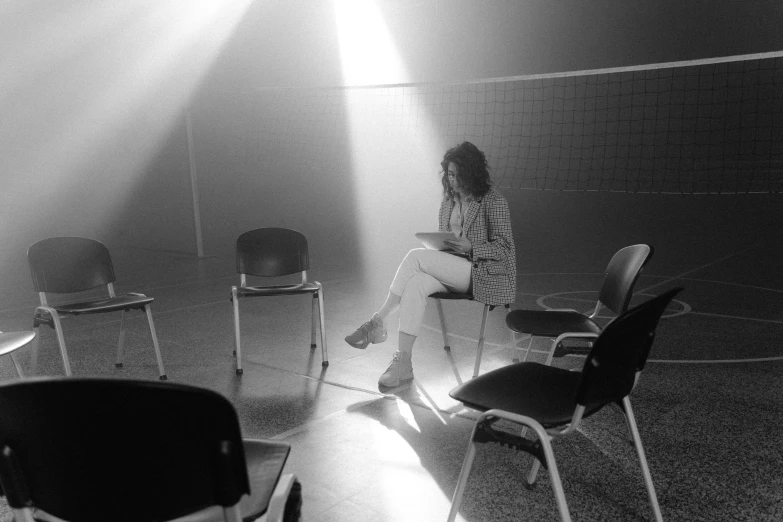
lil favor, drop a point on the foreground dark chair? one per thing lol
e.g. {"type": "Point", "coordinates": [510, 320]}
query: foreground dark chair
{"type": "Point", "coordinates": [91, 450]}
{"type": "Point", "coordinates": [275, 252]}
{"type": "Point", "coordinates": [66, 265]}
{"type": "Point", "coordinates": [440, 296]}
{"type": "Point", "coordinates": [553, 401]}
{"type": "Point", "coordinates": [10, 342]}
{"type": "Point", "coordinates": [619, 279]}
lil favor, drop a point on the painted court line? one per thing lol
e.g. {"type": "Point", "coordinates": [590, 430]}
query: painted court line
{"type": "Point", "coordinates": [724, 316]}
{"type": "Point", "coordinates": [681, 276]}
{"type": "Point", "coordinates": [715, 361]}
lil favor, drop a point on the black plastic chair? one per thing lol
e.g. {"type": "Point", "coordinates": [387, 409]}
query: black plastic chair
{"type": "Point", "coordinates": [553, 401]}
{"type": "Point", "coordinates": [620, 277]}
{"type": "Point", "coordinates": [10, 342]}
{"type": "Point", "coordinates": [92, 450]}
{"type": "Point", "coordinates": [275, 252]}
{"type": "Point", "coordinates": [439, 296]}
{"type": "Point", "coordinates": [65, 265]}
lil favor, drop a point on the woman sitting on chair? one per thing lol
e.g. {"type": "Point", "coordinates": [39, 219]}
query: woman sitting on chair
{"type": "Point", "coordinates": [482, 260]}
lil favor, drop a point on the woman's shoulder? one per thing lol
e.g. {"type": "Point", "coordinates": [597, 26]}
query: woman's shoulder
{"type": "Point", "coordinates": [493, 195]}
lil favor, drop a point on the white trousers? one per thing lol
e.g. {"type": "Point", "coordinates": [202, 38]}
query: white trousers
{"type": "Point", "coordinates": [424, 272]}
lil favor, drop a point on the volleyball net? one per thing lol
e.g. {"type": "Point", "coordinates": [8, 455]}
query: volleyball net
{"type": "Point", "coordinates": [705, 127]}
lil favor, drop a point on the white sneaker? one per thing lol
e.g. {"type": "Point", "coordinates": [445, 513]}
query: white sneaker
{"type": "Point", "coordinates": [400, 370]}
{"type": "Point", "coordinates": [373, 331]}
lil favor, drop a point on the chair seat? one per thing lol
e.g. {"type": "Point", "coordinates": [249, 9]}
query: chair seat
{"type": "Point", "coordinates": [110, 304]}
{"type": "Point", "coordinates": [11, 341]}
{"type": "Point", "coordinates": [259, 291]}
{"type": "Point", "coordinates": [265, 462]}
{"type": "Point", "coordinates": [451, 295]}
{"type": "Point", "coordinates": [550, 322]}
{"type": "Point", "coordinates": [542, 392]}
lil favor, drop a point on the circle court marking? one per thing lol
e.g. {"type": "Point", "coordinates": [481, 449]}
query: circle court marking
{"type": "Point", "coordinates": [686, 308]}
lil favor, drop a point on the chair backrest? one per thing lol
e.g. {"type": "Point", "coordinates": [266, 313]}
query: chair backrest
{"type": "Point", "coordinates": [110, 449]}
{"type": "Point", "coordinates": [621, 274]}
{"type": "Point", "coordinates": [620, 352]}
{"type": "Point", "coordinates": [69, 264]}
{"type": "Point", "coordinates": [272, 252]}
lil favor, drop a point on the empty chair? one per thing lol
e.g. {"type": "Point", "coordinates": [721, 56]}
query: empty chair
{"type": "Point", "coordinates": [275, 252]}
{"type": "Point", "coordinates": [615, 294]}
{"type": "Point", "coordinates": [439, 296]}
{"type": "Point", "coordinates": [553, 401]}
{"type": "Point", "coordinates": [12, 341]}
{"type": "Point", "coordinates": [65, 265]}
{"type": "Point", "coordinates": [90, 450]}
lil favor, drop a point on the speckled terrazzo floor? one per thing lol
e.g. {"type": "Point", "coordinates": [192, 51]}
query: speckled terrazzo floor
{"type": "Point", "coordinates": [711, 427]}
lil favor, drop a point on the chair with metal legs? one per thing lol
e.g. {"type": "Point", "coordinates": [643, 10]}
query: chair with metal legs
{"type": "Point", "coordinates": [276, 252]}
{"type": "Point", "coordinates": [620, 276]}
{"type": "Point", "coordinates": [449, 296]}
{"type": "Point", "coordinates": [67, 265]}
{"type": "Point", "coordinates": [553, 401]}
{"type": "Point", "coordinates": [10, 342]}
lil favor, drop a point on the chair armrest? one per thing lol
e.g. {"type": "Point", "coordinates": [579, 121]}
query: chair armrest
{"type": "Point", "coordinates": [562, 310]}
{"type": "Point", "coordinates": [574, 335]}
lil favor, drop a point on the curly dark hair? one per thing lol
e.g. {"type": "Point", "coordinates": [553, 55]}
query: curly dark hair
{"type": "Point", "coordinates": [472, 169]}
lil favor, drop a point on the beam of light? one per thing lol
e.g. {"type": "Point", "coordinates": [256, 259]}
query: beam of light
{"type": "Point", "coordinates": [91, 90]}
{"type": "Point", "coordinates": [395, 154]}
{"type": "Point", "coordinates": [430, 403]}
{"type": "Point", "coordinates": [367, 51]}
{"type": "Point", "coordinates": [395, 159]}
{"type": "Point", "coordinates": [401, 472]}
{"type": "Point", "coordinates": [407, 414]}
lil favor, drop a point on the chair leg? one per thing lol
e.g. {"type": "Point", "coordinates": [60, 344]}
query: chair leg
{"type": "Point", "coordinates": [642, 459]}
{"type": "Point", "coordinates": [58, 328]}
{"type": "Point", "coordinates": [512, 338]}
{"type": "Point", "coordinates": [443, 331]}
{"type": "Point", "coordinates": [34, 351]}
{"type": "Point", "coordinates": [276, 509]}
{"type": "Point", "coordinates": [543, 436]}
{"type": "Point", "coordinates": [121, 342]}
{"type": "Point", "coordinates": [322, 317]}
{"type": "Point", "coordinates": [232, 513]}
{"type": "Point", "coordinates": [158, 356]}
{"type": "Point", "coordinates": [237, 346]}
{"type": "Point", "coordinates": [480, 348]}
{"type": "Point", "coordinates": [551, 356]}
{"type": "Point", "coordinates": [456, 500]}
{"type": "Point", "coordinates": [549, 455]}
{"type": "Point", "coordinates": [312, 323]}
{"type": "Point", "coordinates": [533, 474]}
{"type": "Point", "coordinates": [554, 475]}
{"type": "Point", "coordinates": [18, 367]}
{"type": "Point", "coordinates": [529, 347]}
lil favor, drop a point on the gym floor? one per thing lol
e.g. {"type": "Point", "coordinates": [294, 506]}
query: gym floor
{"type": "Point", "coordinates": [708, 403]}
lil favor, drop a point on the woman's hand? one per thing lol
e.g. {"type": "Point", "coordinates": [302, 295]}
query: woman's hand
{"type": "Point", "coordinates": [461, 245]}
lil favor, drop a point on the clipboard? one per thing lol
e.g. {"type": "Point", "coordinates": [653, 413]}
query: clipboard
{"type": "Point", "coordinates": [435, 240]}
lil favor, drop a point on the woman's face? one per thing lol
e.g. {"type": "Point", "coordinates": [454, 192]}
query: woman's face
{"type": "Point", "coordinates": [451, 175]}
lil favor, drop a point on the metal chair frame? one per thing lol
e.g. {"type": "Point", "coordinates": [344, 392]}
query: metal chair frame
{"type": "Point", "coordinates": [453, 296]}
{"type": "Point", "coordinates": [283, 252]}
{"type": "Point", "coordinates": [85, 264]}
{"type": "Point", "coordinates": [606, 378]}
{"type": "Point", "coordinates": [10, 342]}
{"type": "Point", "coordinates": [620, 276]}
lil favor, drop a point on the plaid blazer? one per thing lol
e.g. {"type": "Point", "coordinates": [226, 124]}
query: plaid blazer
{"type": "Point", "coordinates": [488, 227]}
